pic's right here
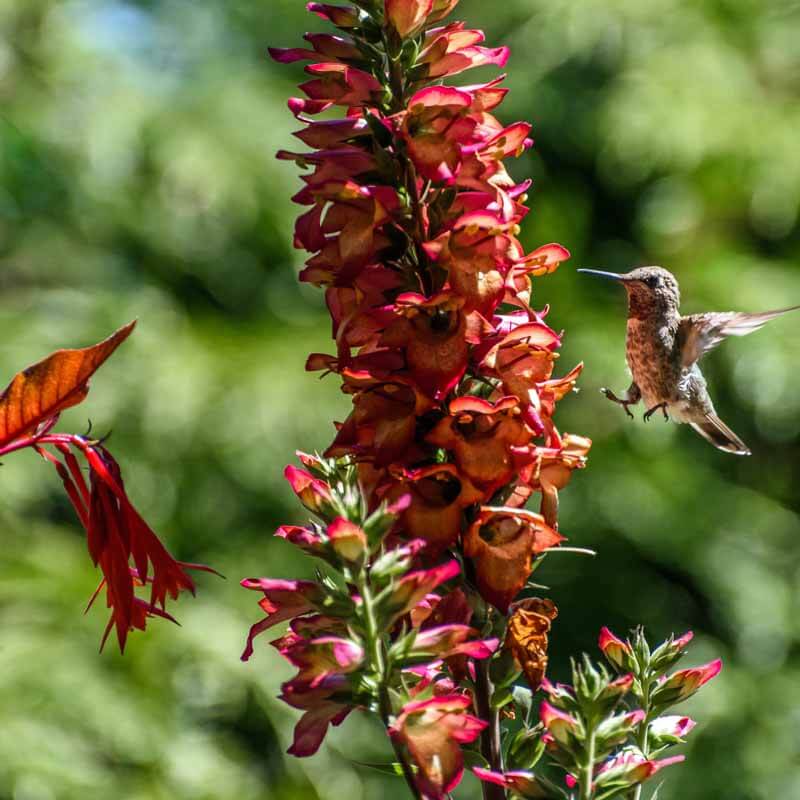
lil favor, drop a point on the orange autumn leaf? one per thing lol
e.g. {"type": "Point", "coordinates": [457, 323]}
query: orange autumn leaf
{"type": "Point", "coordinates": [47, 387]}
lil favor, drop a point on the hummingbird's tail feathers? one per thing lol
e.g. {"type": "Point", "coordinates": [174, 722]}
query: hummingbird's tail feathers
{"type": "Point", "coordinates": [714, 430]}
{"type": "Point", "coordinates": [703, 332]}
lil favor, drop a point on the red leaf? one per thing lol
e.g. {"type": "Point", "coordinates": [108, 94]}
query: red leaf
{"type": "Point", "coordinates": [46, 388]}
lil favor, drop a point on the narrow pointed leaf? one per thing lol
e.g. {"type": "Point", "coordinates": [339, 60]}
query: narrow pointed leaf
{"type": "Point", "coordinates": [47, 387]}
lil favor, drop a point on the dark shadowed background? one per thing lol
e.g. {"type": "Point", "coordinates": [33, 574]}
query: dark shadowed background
{"type": "Point", "coordinates": [137, 179]}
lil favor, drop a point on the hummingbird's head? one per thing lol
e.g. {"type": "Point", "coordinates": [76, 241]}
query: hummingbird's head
{"type": "Point", "coordinates": [651, 290]}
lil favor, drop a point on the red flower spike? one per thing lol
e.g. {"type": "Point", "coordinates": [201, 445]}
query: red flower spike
{"type": "Point", "coordinates": [411, 225]}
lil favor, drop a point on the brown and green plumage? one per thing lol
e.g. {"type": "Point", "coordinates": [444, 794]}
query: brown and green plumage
{"type": "Point", "coordinates": [663, 350]}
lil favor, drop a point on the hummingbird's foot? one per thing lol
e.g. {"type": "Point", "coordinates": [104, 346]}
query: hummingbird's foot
{"type": "Point", "coordinates": [650, 411]}
{"type": "Point", "coordinates": [614, 399]}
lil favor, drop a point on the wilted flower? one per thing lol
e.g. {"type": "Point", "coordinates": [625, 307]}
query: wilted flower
{"type": "Point", "coordinates": [526, 636]}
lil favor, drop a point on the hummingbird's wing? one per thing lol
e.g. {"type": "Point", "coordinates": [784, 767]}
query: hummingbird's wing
{"type": "Point", "coordinates": [699, 333]}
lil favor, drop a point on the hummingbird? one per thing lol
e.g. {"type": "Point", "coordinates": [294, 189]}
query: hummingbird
{"type": "Point", "coordinates": [663, 349]}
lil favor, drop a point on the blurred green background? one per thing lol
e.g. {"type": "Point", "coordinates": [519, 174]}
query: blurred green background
{"type": "Point", "coordinates": [137, 179]}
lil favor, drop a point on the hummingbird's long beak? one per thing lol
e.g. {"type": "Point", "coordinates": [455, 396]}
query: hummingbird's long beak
{"type": "Point", "coordinates": [601, 274]}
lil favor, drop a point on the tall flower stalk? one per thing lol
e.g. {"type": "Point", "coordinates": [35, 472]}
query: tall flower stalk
{"type": "Point", "coordinates": [419, 504]}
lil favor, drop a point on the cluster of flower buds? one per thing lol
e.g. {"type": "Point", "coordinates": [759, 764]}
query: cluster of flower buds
{"type": "Point", "coordinates": [604, 735]}
{"type": "Point", "coordinates": [121, 543]}
{"type": "Point", "coordinates": [376, 632]}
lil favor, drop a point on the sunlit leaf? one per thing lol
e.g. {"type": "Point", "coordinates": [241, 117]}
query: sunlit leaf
{"type": "Point", "coordinates": [47, 387]}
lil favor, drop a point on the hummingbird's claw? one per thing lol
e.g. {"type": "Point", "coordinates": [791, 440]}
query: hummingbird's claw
{"type": "Point", "coordinates": [650, 411]}
{"type": "Point", "coordinates": [614, 399]}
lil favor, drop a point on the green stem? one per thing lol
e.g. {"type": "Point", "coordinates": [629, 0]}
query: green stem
{"type": "Point", "coordinates": [378, 668]}
{"type": "Point", "coordinates": [643, 733]}
{"type": "Point", "coordinates": [490, 737]}
{"type": "Point", "coordinates": [587, 770]}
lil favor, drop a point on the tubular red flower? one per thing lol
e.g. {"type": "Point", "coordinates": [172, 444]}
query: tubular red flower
{"type": "Point", "coordinates": [631, 767]}
{"type": "Point", "coordinates": [283, 600]}
{"type": "Point", "coordinates": [313, 493]}
{"type": "Point", "coordinates": [433, 732]}
{"type": "Point", "coordinates": [439, 495]}
{"type": "Point", "coordinates": [502, 544]}
{"type": "Point", "coordinates": [413, 587]}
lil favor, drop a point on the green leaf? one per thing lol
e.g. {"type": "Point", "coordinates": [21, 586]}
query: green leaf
{"type": "Point", "coordinates": [472, 758]}
{"type": "Point", "coordinates": [392, 768]}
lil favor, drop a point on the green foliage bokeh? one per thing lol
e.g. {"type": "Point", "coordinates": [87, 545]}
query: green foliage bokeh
{"type": "Point", "coordinates": [138, 179]}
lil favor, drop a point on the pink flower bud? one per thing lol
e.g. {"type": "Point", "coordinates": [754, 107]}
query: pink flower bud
{"type": "Point", "coordinates": [347, 539]}
{"type": "Point", "coordinates": [562, 726]}
{"type": "Point", "coordinates": [407, 16]}
{"type": "Point", "coordinates": [617, 652]}
{"type": "Point", "coordinates": [684, 683]}
{"type": "Point", "coordinates": [672, 727]}
{"type": "Point", "coordinates": [523, 784]}
{"type": "Point", "coordinates": [313, 493]}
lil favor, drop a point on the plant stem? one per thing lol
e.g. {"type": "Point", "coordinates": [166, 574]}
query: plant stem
{"type": "Point", "coordinates": [587, 771]}
{"type": "Point", "coordinates": [377, 656]}
{"type": "Point", "coordinates": [644, 728]}
{"type": "Point", "coordinates": [490, 738]}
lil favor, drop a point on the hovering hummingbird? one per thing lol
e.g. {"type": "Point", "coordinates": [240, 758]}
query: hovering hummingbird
{"type": "Point", "coordinates": [663, 349]}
